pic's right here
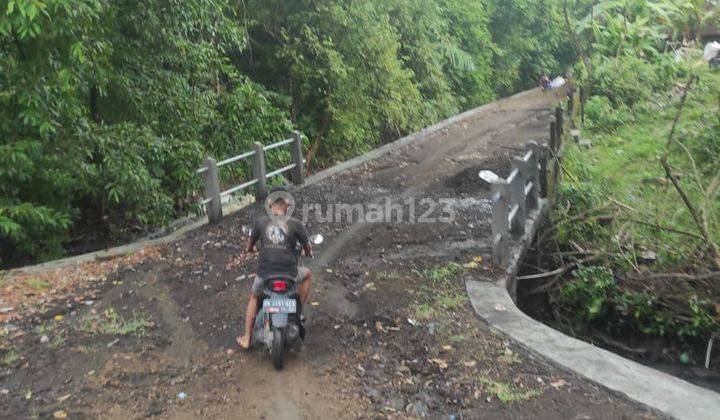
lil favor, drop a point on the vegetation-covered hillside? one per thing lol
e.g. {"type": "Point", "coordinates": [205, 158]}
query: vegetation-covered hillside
{"type": "Point", "coordinates": [107, 107]}
{"type": "Point", "coordinates": [639, 212]}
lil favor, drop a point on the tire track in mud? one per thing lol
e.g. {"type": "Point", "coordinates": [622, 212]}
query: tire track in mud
{"type": "Point", "coordinates": [184, 345]}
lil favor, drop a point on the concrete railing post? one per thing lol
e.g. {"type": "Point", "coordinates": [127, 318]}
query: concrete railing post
{"type": "Point", "coordinates": [531, 174]}
{"type": "Point", "coordinates": [259, 172]}
{"type": "Point", "coordinates": [298, 172]}
{"type": "Point", "coordinates": [556, 172]}
{"type": "Point", "coordinates": [558, 169]}
{"type": "Point", "coordinates": [544, 152]}
{"type": "Point", "coordinates": [582, 105]}
{"type": "Point", "coordinates": [559, 123]}
{"type": "Point", "coordinates": [516, 182]}
{"type": "Point", "coordinates": [500, 226]}
{"type": "Point", "coordinates": [212, 191]}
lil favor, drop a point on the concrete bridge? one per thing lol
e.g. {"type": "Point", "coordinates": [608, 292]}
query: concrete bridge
{"type": "Point", "coordinates": [149, 329]}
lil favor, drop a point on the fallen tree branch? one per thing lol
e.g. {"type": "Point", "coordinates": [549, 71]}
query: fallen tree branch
{"type": "Point", "coordinates": [578, 254]}
{"type": "Point", "coordinates": [666, 228]}
{"type": "Point", "coordinates": [547, 286]}
{"type": "Point", "coordinates": [681, 276]}
{"type": "Point", "coordinates": [585, 215]}
{"type": "Point", "coordinates": [683, 195]}
{"type": "Point", "coordinates": [630, 246]}
{"type": "Point", "coordinates": [610, 342]}
{"type": "Point", "coordinates": [558, 273]}
{"type": "Point", "coordinates": [555, 272]}
{"type": "Point", "coordinates": [562, 167]}
{"type": "Point", "coordinates": [621, 204]}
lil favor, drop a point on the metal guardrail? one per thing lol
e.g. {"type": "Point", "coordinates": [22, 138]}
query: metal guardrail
{"type": "Point", "coordinates": [213, 194]}
{"type": "Point", "coordinates": [534, 176]}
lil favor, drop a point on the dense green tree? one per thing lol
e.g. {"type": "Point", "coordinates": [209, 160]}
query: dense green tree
{"type": "Point", "coordinates": [338, 61]}
{"type": "Point", "coordinates": [532, 39]}
{"type": "Point", "coordinates": [107, 107]}
{"type": "Point", "coordinates": [468, 26]}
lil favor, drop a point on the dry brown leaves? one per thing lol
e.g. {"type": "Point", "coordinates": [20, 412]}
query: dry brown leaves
{"type": "Point", "coordinates": [20, 290]}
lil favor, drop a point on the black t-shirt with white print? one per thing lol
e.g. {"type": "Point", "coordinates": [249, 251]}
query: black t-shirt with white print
{"type": "Point", "coordinates": [277, 243]}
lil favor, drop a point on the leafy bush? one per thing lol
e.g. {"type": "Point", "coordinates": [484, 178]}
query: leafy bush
{"type": "Point", "coordinates": [594, 296]}
{"type": "Point", "coordinates": [623, 86]}
{"type": "Point", "coordinates": [602, 115]}
{"type": "Point", "coordinates": [703, 141]}
{"type": "Point", "coordinates": [579, 195]}
{"type": "Point", "coordinates": [27, 229]}
{"type": "Point", "coordinates": [135, 172]}
{"type": "Point", "coordinates": [639, 311]}
{"type": "Point", "coordinates": [624, 80]}
{"type": "Point", "coordinates": [590, 292]}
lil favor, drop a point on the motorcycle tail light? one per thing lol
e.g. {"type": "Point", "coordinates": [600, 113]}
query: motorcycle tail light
{"type": "Point", "coordinates": [278, 286]}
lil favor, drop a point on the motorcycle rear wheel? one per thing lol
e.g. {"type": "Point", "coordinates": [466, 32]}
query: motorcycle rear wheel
{"type": "Point", "coordinates": [278, 350]}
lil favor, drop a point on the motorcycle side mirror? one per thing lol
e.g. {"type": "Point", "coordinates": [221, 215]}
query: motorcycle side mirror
{"type": "Point", "coordinates": [317, 239]}
{"type": "Point", "coordinates": [246, 230]}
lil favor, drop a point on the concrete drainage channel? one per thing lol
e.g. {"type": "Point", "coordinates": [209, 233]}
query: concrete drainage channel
{"type": "Point", "coordinates": [665, 393]}
{"type": "Point", "coordinates": [493, 301]}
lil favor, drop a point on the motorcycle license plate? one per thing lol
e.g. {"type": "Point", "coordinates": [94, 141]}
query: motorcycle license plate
{"type": "Point", "coordinates": [287, 306]}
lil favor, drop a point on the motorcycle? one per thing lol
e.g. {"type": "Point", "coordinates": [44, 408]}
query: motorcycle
{"type": "Point", "coordinates": [279, 324]}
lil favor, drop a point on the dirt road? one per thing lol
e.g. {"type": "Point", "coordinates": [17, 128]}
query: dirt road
{"type": "Point", "coordinates": [390, 330]}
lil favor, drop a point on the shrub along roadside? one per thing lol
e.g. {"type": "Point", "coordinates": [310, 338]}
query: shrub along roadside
{"type": "Point", "coordinates": [652, 274]}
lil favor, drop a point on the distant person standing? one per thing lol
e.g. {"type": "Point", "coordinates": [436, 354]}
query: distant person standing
{"type": "Point", "coordinates": [545, 82]}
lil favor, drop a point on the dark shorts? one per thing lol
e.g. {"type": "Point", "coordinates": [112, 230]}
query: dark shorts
{"type": "Point", "coordinates": [302, 275]}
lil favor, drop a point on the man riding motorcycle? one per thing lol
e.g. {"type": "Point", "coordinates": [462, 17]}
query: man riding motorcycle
{"type": "Point", "coordinates": [277, 237]}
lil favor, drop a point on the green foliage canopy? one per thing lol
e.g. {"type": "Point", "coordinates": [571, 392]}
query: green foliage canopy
{"type": "Point", "coordinates": [107, 107]}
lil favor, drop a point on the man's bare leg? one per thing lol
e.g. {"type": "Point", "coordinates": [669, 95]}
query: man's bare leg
{"type": "Point", "coordinates": [244, 340]}
{"type": "Point", "coordinates": [304, 288]}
